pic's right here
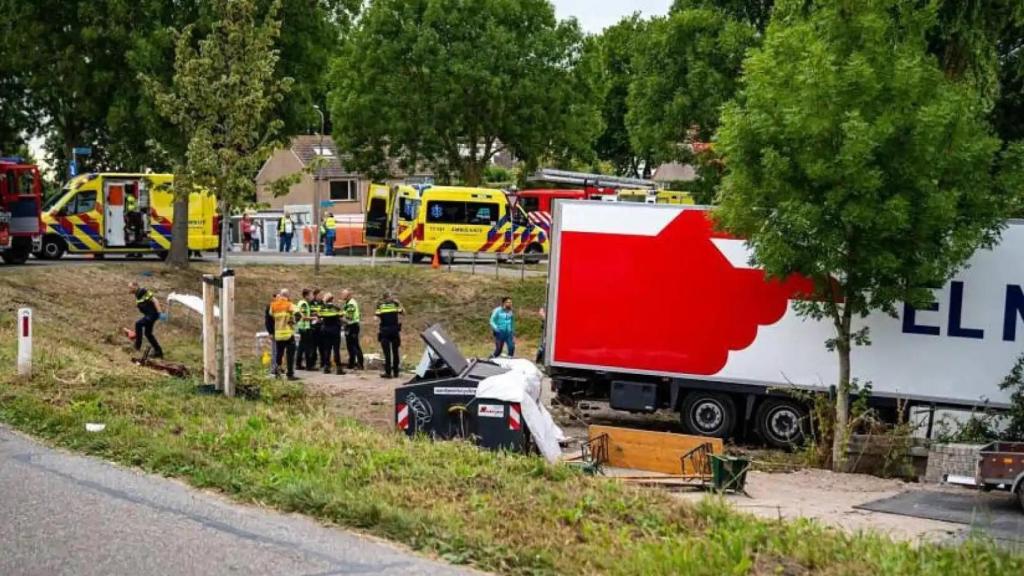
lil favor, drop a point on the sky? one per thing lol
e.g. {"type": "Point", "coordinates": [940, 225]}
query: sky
{"type": "Point", "coordinates": [595, 15]}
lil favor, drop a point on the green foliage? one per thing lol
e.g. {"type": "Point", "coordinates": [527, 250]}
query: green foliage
{"type": "Point", "coordinates": [854, 161]}
{"type": "Point", "coordinates": [449, 83]}
{"type": "Point", "coordinates": [223, 95]}
{"type": "Point", "coordinates": [617, 47]}
{"type": "Point", "coordinates": [688, 67]}
{"type": "Point", "coordinates": [1014, 382]}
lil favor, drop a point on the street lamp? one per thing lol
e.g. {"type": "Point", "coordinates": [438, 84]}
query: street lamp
{"type": "Point", "coordinates": [316, 195]}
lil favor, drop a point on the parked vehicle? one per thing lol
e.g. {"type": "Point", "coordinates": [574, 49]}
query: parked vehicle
{"type": "Point", "coordinates": [21, 194]}
{"type": "Point", "coordinates": [693, 328]}
{"type": "Point", "coordinates": [443, 220]}
{"type": "Point", "coordinates": [1001, 467]}
{"type": "Point", "coordinates": [124, 214]}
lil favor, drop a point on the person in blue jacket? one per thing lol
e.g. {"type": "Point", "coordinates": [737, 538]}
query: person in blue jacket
{"type": "Point", "coordinates": [503, 325]}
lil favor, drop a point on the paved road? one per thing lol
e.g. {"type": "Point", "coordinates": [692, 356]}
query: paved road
{"type": "Point", "coordinates": [67, 514]}
{"type": "Point", "coordinates": [482, 268]}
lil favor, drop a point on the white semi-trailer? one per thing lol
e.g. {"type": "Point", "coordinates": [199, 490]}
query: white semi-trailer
{"type": "Point", "coordinates": [650, 307]}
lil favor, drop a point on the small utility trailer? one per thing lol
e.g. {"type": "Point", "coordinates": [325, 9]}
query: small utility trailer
{"type": "Point", "coordinates": [1001, 467]}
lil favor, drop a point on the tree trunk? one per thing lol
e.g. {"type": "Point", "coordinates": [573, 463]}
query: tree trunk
{"type": "Point", "coordinates": [841, 430]}
{"type": "Point", "coordinates": [178, 256]}
{"type": "Point", "coordinates": [472, 173]}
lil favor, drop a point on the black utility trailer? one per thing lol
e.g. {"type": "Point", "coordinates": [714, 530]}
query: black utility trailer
{"type": "Point", "coordinates": [1001, 467]}
{"type": "Point", "coordinates": [443, 404]}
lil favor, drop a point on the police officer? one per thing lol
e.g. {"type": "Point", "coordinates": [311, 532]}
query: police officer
{"type": "Point", "coordinates": [150, 308]}
{"type": "Point", "coordinates": [306, 355]}
{"type": "Point", "coordinates": [350, 308]}
{"type": "Point", "coordinates": [389, 311]}
{"type": "Point", "coordinates": [316, 304]}
{"type": "Point", "coordinates": [330, 335]}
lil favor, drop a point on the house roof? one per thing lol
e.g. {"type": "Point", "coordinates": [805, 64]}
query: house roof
{"type": "Point", "coordinates": [674, 171]}
{"type": "Point", "coordinates": [306, 148]}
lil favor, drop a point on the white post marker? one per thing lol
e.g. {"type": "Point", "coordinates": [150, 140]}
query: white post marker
{"type": "Point", "coordinates": [24, 342]}
{"type": "Point", "coordinates": [227, 316]}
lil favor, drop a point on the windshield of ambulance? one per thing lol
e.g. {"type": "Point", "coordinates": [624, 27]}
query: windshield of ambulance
{"type": "Point", "coordinates": [52, 201]}
{"type": "Point", "coordinates": [408, 208]}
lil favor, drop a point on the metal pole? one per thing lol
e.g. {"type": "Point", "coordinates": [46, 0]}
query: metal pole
{"type": "Point", "coordinates": [497, 264]}
{"type": "Point", "coordinates": [522, 266]}
{"type": "Point", "coordinates": [472, 269]}
{"type": "Point", "coordinates": [316, 196]}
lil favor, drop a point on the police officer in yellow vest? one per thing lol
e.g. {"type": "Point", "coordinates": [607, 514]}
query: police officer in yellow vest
{"type": "Point", "coordinates": [350, 310]}
{"type": "Point", "coordinates": [327, 233]}
{"type": "Point", "coordinates": [389, 311]}
{"type": "Point", "coordinates": [330, 335]}
{"type": "Point", "coordinates": [316, 304]}
{"type": "Point", "coordinates": [306, 354]}
{"type": "Point", "coordinates": [284, 314]}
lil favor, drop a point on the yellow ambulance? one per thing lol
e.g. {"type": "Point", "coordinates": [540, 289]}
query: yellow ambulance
{"type": "Point", "coordinates": [113, 213]}
{"type": "Point", "coordinates": [673, 197]}
{"type": "Point", "coordinates": [445, 219]}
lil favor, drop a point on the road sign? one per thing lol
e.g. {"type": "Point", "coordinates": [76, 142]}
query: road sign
{"type": "Point", "coordinates": [82, 151]}
{"type": "Point", "coordinates": [326, 204]}
{"type": "Point", "coordinates": [73, 168]}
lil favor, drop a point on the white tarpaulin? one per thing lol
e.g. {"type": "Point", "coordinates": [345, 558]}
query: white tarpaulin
{"type": "Point", "coordinates": [522, 384]}
{"type": "Point", "coordinates": [194, 303]}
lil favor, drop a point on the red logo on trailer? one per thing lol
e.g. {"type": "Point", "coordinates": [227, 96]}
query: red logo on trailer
{"type": "Point", "coordinates": [702, 308]}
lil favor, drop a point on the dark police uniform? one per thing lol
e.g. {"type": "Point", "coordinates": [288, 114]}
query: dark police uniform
{"type": "Point", "coordinates": [307, 355]}
{"type": "Point", "coordinates": [144, 325]}
{"type": "Point", "coordinates": [390, 334]}
{"type": "Point", "coordinates": [330, 337]}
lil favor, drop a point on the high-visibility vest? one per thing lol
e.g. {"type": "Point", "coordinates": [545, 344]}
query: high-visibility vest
{"type": "Point", "coordinates": [388, 308]}
{"type": "Point", "coordinates": [283, 312]}
{"type": "Point", "coordinates": [329, 310]}
{"type": "Point", "coordinates": [131, 204]}
{"type": "Point", "coordinates": [352, 311]}
{"type": "Point", "coordinates": [330, 223]}
{"type": "Point", "coordinates": [305, 314]}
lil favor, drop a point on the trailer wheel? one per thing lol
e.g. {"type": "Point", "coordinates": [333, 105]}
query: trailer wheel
{"type": "Point", "coordinates": [533, 253]}
{"type": "Point", "coordinates": [708, 414]}
{"type": "Point", "coordinates": [781, 423]}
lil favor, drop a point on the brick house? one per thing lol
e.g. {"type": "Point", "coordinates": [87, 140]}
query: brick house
{"type": "Point", "coordinates": [345, 190]}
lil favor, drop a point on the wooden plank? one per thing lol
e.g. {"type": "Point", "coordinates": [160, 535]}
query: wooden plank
{"type": "Point", "coordinates": [651, 451]}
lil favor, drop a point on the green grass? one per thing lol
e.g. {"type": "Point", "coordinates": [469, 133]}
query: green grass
{"type": "Point", "coordinates": [502, 512]}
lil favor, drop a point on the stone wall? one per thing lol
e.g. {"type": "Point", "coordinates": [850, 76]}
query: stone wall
{"type": "Point", "coordinates": [951, 459]}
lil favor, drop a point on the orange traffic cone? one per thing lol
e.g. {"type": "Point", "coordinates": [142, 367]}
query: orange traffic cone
{"type": "Point", "coordinates": [436, 262]}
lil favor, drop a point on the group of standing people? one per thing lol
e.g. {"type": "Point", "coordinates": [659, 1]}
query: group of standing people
{"type": "Point", "coordinates": [320, 322]}
{"type": "Point", "coordinates": [252, 234]}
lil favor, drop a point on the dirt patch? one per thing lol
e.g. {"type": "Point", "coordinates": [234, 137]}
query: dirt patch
{"type": "Point", "coordinates": [830, 498]}
{"type": "Point", "coordinates": [363, 396]}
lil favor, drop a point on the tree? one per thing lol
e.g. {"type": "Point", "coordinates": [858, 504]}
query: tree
{"type": "Point", "coordinates": [686, 70]}
{"type": "Point", "coordinates": [450, 83]}
{"type": "Point", "coordinates": [617, 47]}
{"type": "Point", "coordinates": [854, 161]}
{"type": "Point", "coordinates": [223, 95]}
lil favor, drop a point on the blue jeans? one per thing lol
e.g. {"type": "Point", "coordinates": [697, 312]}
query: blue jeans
{"type": "Point", "coordinates": [286, 243]}
{"type": "Point", "coordinates": [504, 339]}
{"type": "Point", "coordinates": [329, 243]}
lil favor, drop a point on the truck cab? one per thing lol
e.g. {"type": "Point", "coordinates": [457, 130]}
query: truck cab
{"type": "Point", "coordinates": [21, 193]}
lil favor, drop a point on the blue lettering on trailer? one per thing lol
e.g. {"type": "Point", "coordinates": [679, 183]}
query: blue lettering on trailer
{"type": "Point", "coordinates": [1013, 312]}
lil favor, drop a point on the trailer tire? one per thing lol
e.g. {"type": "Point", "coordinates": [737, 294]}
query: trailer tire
{"type": "Point", "coordinates": [708, 414]}
{"type": "Point", "coordinates": [781, 423]}
{"type": "Point", "coordinates": [53, 248]}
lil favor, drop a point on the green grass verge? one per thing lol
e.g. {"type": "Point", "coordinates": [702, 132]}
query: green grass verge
{"type": "Point", "coordinates": [502, 512]}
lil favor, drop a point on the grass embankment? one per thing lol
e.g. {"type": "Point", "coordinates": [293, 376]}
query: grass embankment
{"type": "Point", "coordinates": [507, 513]}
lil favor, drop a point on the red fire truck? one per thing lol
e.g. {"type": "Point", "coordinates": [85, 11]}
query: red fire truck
{"type": "Point", "coordinates": [21, 193]}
